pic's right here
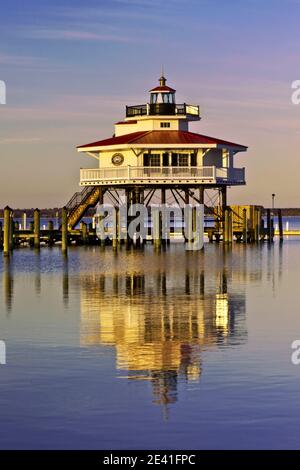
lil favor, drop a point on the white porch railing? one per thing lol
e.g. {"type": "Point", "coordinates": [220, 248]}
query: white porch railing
{"type": "Point", "coordinates": [209, 174]}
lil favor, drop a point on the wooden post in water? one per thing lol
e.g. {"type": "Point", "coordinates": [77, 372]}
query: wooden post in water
{"type": "Point", "coordinates": [24, 218]}
{"type": "Point", "coordinates": [11, 231]}
{"type": "Point", "coordinates": [84, 234]}
{"type": "Point", "coordinates": [115, 229]}
{"type": "Point", "coordinates": [165, 233]}
{"type": "Point", "coordinates": [269, 226]}
{"type": "Point", "coordinates": [36, 221]}
{"type": "Point", "coordinates": [225, 224]}
{"type": "Point", "coordinates": [188, 222]}
{"type": "Point", "coordinates": [1, 236]}
{"type": "Point", "coordinates": [64, 231]}
{"type": "Point", "coordinates": [6, 236]}
{"type": "Point", "coordinates": [128, 217]}
{"type": "Point", "coordinates": [280, 225]}
{"type": "Point", "coordinates": [230, 227]}
{"type": "Point", "coordinates": [257, 224]}
{"type": "Point", "coordinates": [156, 221]}
{"type": "Point", "coordinates": [101, 218]}
{"type": "Point", "coordinates": [245, 226]}
{"type": "Point", "coordinates": [136, 200]}
{"type": "Point", "coordinates": [50, 229]}
{"type": "Point", "coordinates": [186, 202]}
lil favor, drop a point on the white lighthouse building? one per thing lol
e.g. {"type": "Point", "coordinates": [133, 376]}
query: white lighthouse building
{"type": "Point", "coordinates": [152, 149]}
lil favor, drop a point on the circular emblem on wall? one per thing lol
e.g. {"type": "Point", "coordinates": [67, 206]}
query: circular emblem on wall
{"type": "Point", "coordinates": [117, 159]}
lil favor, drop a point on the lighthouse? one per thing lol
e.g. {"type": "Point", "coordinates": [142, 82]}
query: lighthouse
{"type": "Point", "coordinates": [152, 151]}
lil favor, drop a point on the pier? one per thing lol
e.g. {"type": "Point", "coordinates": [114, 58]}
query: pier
{"type": "Point", "coordinates": [242, 224]}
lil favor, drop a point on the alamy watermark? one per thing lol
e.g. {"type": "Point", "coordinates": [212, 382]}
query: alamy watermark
{"type": "Point", "coordinates": [2, 92]}
{"type": "Point", "coordinates": [137, 220]}
{"type": "Point", "coordinates": [295, 97]}
{"type": "Point", "coordinates": [295, 356]}
{"type": "Point", "coordinates": [2, 352]}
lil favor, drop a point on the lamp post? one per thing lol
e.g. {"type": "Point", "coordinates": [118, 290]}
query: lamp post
{"type": "Point", "coordinates": [273, 200]}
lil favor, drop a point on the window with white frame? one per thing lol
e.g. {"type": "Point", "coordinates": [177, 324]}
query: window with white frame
{"type": "Point", "coordinates": [165, 124]}
{"type": "Point", "coordinates": [183, 159]}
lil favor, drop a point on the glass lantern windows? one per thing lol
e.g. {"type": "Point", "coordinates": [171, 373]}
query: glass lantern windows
{"type": "Point", "coordinates": [158, 98]}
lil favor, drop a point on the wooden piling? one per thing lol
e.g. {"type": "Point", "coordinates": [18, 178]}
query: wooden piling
{"type": "Point", "coordinates": [50, 230]}
{"type": "Point", "coordinates": [269, 225]}
{"type": "Point", "coordinates": [257, 224]}
{"type": "Point", "coordinates": [84, 233]}
{"type": "Point", "coordinates": [6, 235]}
{"type": "Point", "coordinates": [115, 228]}
{"type": "Point", "coordinates": [156, 221]}
{"type": "Point", "coordinates": [136, 200]}
{"type": "Point", "coordinates": [11, 231]}
{"type": "Point", "coordinates": [188, 233]}
{"type": "Point", "coordinates": [245, 235]}
{"type": "Point", "coordinates": [64, 230]}
{"type": "Point", "coordinates": [280, 225]}
{"type": "Point", "coordinates": [229, 226]}
{"type": "Point", "coordinates": [37, 230]}
{"type": "Point", "coordinates": [225, 225]}
{"type": "Point", "coordinates": [201, 194]}
{"type": "Point", "coordinates": [165, 235]}
{"type": "Point", "coordinates": [1, 235]}
{"type": "Point", "coordinates": [24, 219]}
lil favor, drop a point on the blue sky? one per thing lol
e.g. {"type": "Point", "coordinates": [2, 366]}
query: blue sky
{"type": "Point", "coordinates": [71, 66]}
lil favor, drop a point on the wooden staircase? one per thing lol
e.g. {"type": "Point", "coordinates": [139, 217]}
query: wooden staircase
{"type": "Point", "coordinates": [80, 203]}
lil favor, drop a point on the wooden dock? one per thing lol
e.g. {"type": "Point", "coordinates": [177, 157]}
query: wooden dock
{"type": "Point", "coordinates": [243, 224]}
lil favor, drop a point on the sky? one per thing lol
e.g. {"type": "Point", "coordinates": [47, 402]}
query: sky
{"type": "Point", "coordinates": [70, 68]}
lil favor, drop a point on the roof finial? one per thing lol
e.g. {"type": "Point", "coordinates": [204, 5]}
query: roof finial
{"type": "Point", "coordinates": [162, 80]}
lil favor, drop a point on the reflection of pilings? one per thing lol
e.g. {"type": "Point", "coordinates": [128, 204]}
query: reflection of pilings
{"type": "Point", "coordinates": [37, 272]}
{"type": "Point", "coordinates": [187, 283]}
{"type": "Point", "coordinates": [65, 281]}
{"type": "Point", "coordinates": [8, 284]}
{"type": "Point", "coordinates": [135, 284]}
{"type": "Point", "coordinates": [164, 387]}
{"type": "Point", "coordinates": [115, 284]}
{"type": "Point", "coordinates": [64, 231]}
{"type": "Point", "coordinates": [202, 282]}
{"type": "Point", "coordinates": [223, 282]}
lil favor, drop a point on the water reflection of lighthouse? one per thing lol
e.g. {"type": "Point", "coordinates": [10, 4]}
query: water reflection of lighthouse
{"type": "Point", "coordinates": [158, 336]}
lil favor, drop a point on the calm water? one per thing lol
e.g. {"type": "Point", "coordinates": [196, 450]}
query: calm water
{"type": "Point", "coordinates": [146, 350]}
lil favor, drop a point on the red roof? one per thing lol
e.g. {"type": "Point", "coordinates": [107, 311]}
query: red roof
{"type": "Point", "coordinates": [163, 88]}
{"type": "Point", "coordinates": [161, 137]}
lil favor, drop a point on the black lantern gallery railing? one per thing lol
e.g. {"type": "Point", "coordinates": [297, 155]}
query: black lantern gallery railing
{"type": "Point", "coordinates": [163, 109]}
